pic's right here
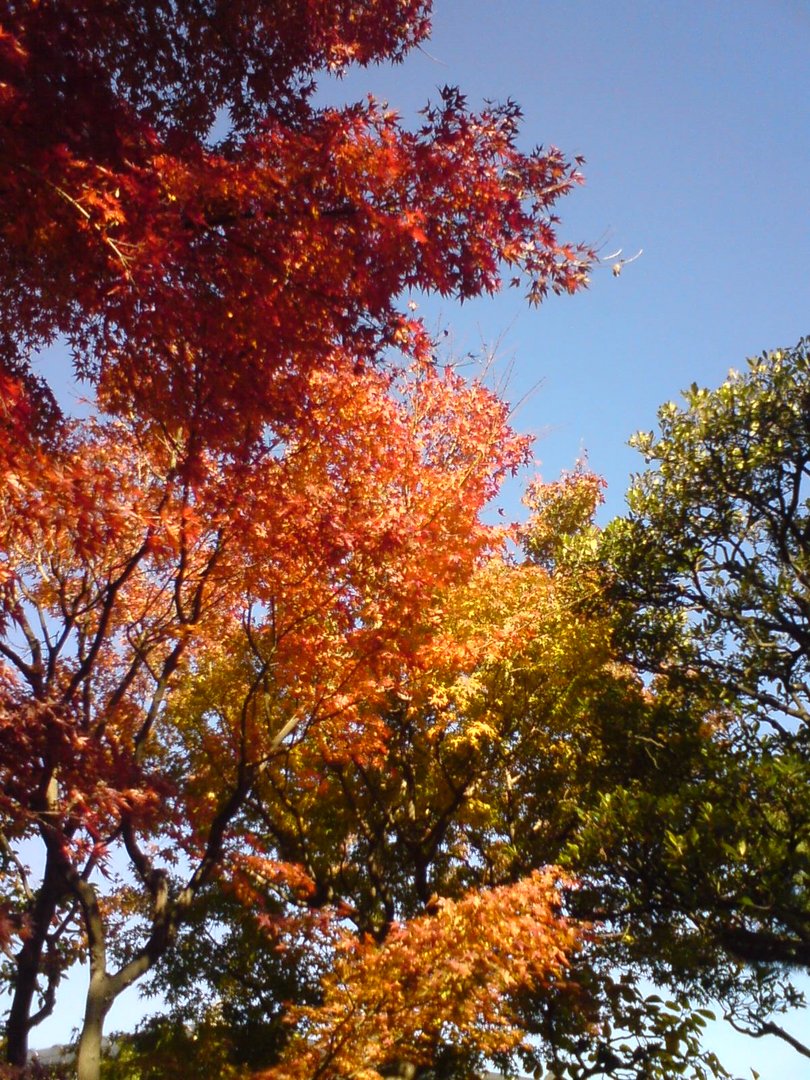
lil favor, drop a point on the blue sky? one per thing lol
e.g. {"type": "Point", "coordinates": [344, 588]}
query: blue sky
{"type": "Point", "coordinates": [694, 122]}
{"type": "Point", "coordinates": [694, 119]}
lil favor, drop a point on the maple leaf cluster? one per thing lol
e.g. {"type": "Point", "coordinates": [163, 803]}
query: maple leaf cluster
{"type": "Point", "coordinates": [200, 281]}
{"type": "Point", "coordinates": [446, 976]}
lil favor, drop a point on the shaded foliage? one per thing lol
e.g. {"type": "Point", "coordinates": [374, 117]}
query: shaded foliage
{"type": "Point", "coordinates": [710, 571]}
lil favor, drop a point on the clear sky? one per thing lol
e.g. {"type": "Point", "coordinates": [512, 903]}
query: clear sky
{"type": "Point", "coordinates": [694, 119]}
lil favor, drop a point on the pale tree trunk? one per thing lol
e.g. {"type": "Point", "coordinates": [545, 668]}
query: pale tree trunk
{"type": "Point", "coordinates": [104, 987]}
{"type": "Point", "coordinates": [99, 997]}
{"type": "Point", "coordinates": [88, 1060]}
{"type": "Point", "coordinates": [167, 914]}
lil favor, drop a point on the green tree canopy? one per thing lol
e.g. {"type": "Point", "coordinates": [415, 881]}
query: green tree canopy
{"type": "Point", "coordinates": [711, 576]}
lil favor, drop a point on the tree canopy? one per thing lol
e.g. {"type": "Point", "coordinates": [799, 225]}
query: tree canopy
{"type": "Point", "coordinates": [711, 574]}
{"type": "Point", "coordinates": [200, 279]}
{"type": "Point", "coordinates": [211, 587]}
{"type": "Point", "coordinates": [364, 785]}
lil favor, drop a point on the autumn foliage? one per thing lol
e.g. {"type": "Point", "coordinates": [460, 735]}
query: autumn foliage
{"type": "Point", "coordinates": [229, 571]}
{"type": "Point", "coordinates": [201, 280]}
{"type": "Point", "coordinates": [444, 977]}
{"type": "Point", "coordinates": [283, 724]}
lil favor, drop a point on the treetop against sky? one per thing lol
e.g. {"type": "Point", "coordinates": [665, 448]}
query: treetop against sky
{"type": "Point", "coordinates": [261, 565]}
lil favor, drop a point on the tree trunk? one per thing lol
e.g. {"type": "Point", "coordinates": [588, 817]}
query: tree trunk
{"type": "Point", "coordinates": [104, 987]}
{"type": "Point", "coordinates": [99, 1000]}
{"type": "Point", "coordinates": [17, 1026]}
{"type": "Point", "coordinates": [100, 995]}
{"type": "Point", "coordinates": [29, 966]}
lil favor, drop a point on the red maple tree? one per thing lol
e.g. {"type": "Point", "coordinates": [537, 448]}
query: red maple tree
{"type": "Point", "coordinates": [276, 471]}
